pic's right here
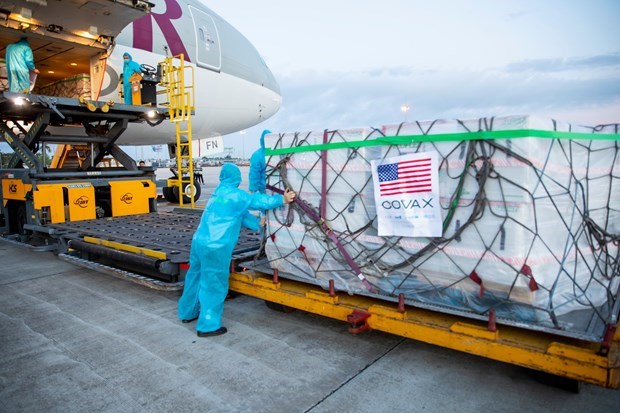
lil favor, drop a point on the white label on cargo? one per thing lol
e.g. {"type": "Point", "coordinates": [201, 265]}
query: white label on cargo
{"type": "Point", "coordinates": [407, 195]}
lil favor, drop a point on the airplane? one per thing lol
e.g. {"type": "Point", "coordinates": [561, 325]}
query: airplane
{"type": "Point", "coordinates": [234, 88]}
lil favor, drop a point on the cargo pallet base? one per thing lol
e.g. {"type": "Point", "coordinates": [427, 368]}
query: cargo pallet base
{"type": "Point", "coordinates": [595, 363]}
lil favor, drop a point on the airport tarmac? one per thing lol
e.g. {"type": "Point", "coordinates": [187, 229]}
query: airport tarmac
{"type": "Point", "coordinates": [75, 340]}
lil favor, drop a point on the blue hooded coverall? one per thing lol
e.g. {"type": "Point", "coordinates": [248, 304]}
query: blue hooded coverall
{"type": "Point", "coordinates": [258, 167]}
{"type": "Point", "coordinates": [19, 63]}
{"type": "Point", "coordinates": [206, 281]}
{"type": "Point", "coordinates": [129, 68]}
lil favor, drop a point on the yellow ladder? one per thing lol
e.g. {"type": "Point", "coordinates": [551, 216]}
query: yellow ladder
{"type": "Point", "coordinates": [69, 156]}
{"type": "Point", "coordinates": [180, 102]}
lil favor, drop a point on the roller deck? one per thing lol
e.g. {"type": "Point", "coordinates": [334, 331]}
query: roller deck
{"type": "Point", "coordinates": [153, 248]}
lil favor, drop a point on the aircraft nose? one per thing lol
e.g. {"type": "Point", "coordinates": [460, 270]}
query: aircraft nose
{"type": "Point", "coordinates": [271, 98]}
{"type": "Point", "coordinates": [241, 60]}
{"type": "Point", "coordinates": [270, 103]}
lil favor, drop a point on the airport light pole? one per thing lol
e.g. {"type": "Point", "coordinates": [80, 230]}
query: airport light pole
{"type": "Point", "coordinates": [405, 109]}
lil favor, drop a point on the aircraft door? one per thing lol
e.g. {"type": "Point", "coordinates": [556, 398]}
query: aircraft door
{"type": "Point", "coordinates": [97, 74]}
{"type": "Point", "coordinates": [208, 54]}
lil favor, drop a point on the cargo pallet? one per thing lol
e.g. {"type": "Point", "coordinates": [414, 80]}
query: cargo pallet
{"type": "Point", "coordinates": [582, 361]}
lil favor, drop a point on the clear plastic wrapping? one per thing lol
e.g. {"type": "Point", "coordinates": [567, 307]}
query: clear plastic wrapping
{"type": "Point", "coordinates": [531, 224]}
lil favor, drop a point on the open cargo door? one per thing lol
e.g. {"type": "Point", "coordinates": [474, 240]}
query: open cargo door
{"type": "Point", "coordinates": [70, 39]}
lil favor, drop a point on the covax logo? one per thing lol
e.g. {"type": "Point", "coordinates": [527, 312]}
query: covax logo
{"type": "Point", "coordinates": [127, 198]}
{"type": "Point", "coordinates": [408, 204]}
{"type": "Point", "coordinates": [82, 201]}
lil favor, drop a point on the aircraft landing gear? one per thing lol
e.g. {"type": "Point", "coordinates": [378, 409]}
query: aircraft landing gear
{"type": "Point", "coordinates": [171, 193]}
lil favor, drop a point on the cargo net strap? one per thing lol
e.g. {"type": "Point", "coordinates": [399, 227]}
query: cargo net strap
{"type": "Point", "coordinates": [530, 227]}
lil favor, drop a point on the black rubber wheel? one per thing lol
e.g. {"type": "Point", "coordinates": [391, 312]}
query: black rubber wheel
{"type": "Point", "coordinates": [186, 192]}
{"type": "Point", "coordinates": [21, 219]}
{"type": "Point", "coordinates": [281, 308]}
{"type": "Point", "coordinates": [11, 209]}
{"type": "Point", "coordinates": [169, 195]}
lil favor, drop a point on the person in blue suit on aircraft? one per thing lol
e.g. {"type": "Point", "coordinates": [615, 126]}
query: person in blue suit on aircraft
{"type": "Point", "coordinates": [129, 68]}
{"type": "Point", "coordinates": [206, 281]}
{"type": "Point", "coordinates": [258, 167]}
{"type": "Point", "coordinates": [19, 64]}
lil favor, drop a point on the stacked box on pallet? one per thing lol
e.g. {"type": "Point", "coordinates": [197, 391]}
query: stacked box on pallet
{"type": "Point", "coordinates": [72, 87]}
{"type": "Point", "coordinates": [533, 233]}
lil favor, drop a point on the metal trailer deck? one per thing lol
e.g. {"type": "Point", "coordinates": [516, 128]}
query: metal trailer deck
{"type": "Point", "coordinates": [580, 361]}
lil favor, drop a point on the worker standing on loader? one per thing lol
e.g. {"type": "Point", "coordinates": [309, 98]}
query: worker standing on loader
{"type": "Point", "coordinates": [129, 68]}
{"type": "Point", "coordinates": [19, 64]}
{"type": "Point", "coordinates": [206, 281]}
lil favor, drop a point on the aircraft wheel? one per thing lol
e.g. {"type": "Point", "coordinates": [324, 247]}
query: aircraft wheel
{"type": "Point", "coordinates": [187, 192]}
{"type": "Point", "coordinates": [169, 195]}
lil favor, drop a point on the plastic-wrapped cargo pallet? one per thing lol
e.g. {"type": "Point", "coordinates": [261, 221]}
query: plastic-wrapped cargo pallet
{"type": "Point", "coordinates": [530, 218]}
{"type": "Point", "coordinates": [72, 87]}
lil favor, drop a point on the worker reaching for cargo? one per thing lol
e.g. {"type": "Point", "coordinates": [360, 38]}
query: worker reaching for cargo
{"type": "Point", "coordinates": [19, 64]}
{"type": "Point", "coordinates": [129, 68]}
{"type": "Point", "coordinates": [206, 281]}
{"type": "Point", "coordinates": [258, 167]}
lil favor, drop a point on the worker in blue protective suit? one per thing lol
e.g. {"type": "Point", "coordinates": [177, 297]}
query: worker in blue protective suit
{"type": "Point", "coordinates": [206, 281]}
{"type": "Point", "coordinates": [129, 68]}
{"type": "Point", "coordinates": [19, 64]}
{"type": "Point", "coordinates": [258, 167]}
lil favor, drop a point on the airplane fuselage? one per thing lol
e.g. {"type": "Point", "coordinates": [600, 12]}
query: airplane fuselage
{"type": "Point", "coordinates": [234, 88]}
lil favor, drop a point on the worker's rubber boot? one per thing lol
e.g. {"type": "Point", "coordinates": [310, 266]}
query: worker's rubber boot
{"type": "Point", "coordinates": [218, 332]}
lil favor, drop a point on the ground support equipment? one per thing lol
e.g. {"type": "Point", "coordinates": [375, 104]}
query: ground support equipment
{"type": "Point", "coordinates": [35, 194]}
{"type": "Point", "coordinates": [153, 249]}
{"type": "Point", "coordinates": [596, 363]}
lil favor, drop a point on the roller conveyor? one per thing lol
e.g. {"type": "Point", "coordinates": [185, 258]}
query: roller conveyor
{"type": "Point", "coordinates": [154, 244]}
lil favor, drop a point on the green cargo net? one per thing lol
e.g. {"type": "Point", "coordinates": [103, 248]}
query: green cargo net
{"type": "Point", "coordinates": [447, 137]}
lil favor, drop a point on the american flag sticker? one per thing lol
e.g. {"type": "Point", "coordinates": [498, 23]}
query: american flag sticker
{"type": "Point", "coordinates": [405, 177]}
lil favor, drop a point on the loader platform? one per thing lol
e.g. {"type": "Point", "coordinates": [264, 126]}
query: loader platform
{"type": "Point", "coordinates": [152, 248]}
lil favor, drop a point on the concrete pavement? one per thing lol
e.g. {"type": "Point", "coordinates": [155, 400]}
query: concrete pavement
{"type": "Point", "coordinates": [74, 340]}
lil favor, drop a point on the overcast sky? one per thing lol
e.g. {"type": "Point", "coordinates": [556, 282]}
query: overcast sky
{"type": "Point", "coordinates": [347, 63]}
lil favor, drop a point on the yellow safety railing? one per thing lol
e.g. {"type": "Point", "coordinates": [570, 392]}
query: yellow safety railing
{"type": "Point", "coordinates": [178, 80]}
